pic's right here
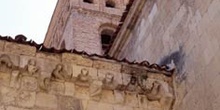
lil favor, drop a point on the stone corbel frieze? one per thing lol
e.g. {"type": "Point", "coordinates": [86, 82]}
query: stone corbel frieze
{"type": "Point", "coordinates": [153, 86]}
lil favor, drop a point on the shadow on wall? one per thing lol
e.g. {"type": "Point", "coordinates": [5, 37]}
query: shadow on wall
{"type": "Point", "coordinates": [175, 59]}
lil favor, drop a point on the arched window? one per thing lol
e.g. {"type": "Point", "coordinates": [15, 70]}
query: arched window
{"type": "Point", "coordinates": [88, 1]}
{"type": "Point", "coordinates": [110, 4]}
{"type": "Point", "coordinates": [106, 37]}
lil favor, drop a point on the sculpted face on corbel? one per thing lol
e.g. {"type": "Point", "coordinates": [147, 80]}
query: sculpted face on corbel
{"type": "Point", "coordinates": [31, 69]}
{"type": "Point", "coordinates": [45, 84]}
{"type": "Point", "coordinates": [108, 82]}
{"type": "Point", "coordinates": [59, 73]}
{"type": "Point", "coordinates": [132, 85]}
{"type": "Point", "coordinates": [95, 89]}
{"type": "Point", "coordinates": [6, 64]}
{"type": "Point", "coordinates": [83, 79]}
{"type": "Point", "coordinates": [162, 92]}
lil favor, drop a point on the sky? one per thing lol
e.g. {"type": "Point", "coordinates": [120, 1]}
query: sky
{"type": "Point", "coordinates": [28, 17]}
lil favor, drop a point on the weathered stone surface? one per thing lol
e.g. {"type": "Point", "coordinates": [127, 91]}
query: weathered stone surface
{"type": "Point", "coordinates": [5, 78]}
{"type": "Point", "coordinates": [142, 101]}
{"type": "Point", "coordinates": [49, 56]}
{"type": "Point", "coordinates": [154, 106]}
{"type": "Point", "coordinates": [8, 95]}
{"type": "Point", "coordinates": [119, 97]}
{"type": "Point", "coordinates": [107, 65]}
{"type": "Point", "coordinates": [117, 75]}
{"type": "Point", "coordinates": [26, 99]}
{"type": "Point", "coordinates": [15, 80]}
{"type": "Point", "coordinates": [19, 49]}
{"type": "Point", "coordinates": [76, 59]}
{"type": "Point", "coordinates": [78, 69]}
{"type": "Point", "coordinates": [15, 108]}
{"type": "Point", "coordinates": [131, 100]}
{"type": "Point", "coordinates": [82, 92]}
{"type": "Point", "coordinates": [69, 89]}
{"type": "Point", "coordinates": [92, 105]}
{"type": "Point", "coordinates": [186, 32]}
{"type": "Point", "coordinates": [57, 87]}
{"type": "Point", "coordinates": [29, 83]}
{"type": "Point", "coordinates": [129, 69]}
{"type": "Point", "coordinates": [2, 108]}
{"type": "Point", "coordinates": [69, 103]}
{"type": "Point", "coordinates": [2, 43]}
{"type": "Point", "coordinates": [121, 107]}
{"type": "Point", "coordinates": [46, 100]}
{"type": "Point", "coordinates": [108, 96]}
{"type": "Point", "coordinates": [126, 78]}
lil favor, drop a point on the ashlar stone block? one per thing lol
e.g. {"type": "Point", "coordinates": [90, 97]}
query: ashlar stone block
{"type": "Point", "coordinates": [93, 105]}
{"type": "Point", "coordinates": [107, 65]}
{"type": "Point", "coordinates": [107, 96]}
{"type": "Point", "coordinates": [26, 99]}
{"type": "Point", "coordinates": [121, 107]}
{"type": "Point", "coordinates": [2, 43]}
{"type": "Point", "coordinates": [119, 97]}
{"type": "Point", "coordinates": [8, 95]}
{"type": "Point", "coordinates": [15, 80]}
{"type": "Point", "coordinates": [4, 78]}
{"type": "Point", "coordinates": [20, 49]}
{"type": "Point", "coordinates": [131, 99]}
{"type": "Point", "coordinates": [117, 75]}
{"type": "Point", "coordinates": [69, 89]}
{"type": "Point", "coordinates": [129, 69]}
{"type": "Point", "coordinates": [2, 107]}
{"type": "Point", "coordinates": [78, 69]}
{"type": "Point", "coordinates": [15, 108]}
{"type": "Point", "coordinates": [126, 78]}
{"type": "Point", "coordinates": [142, 101]}
{"type": "Point", "coordinates": [154, 105]}
{"type": "Point", "coordinates": [69, 103]}
{"type": "Point", "coordinates": [57, 87]}
{"type": "Point", "coordinates": [29, 83]}
{"type": "Point", "coordinates": [82, 92]}
{"type": "Point", "coordinates": [49, 56]}
{"type": "Point", "coordinates": [46, 100]}
{"type": "Point", "coordinates": [76, 59]}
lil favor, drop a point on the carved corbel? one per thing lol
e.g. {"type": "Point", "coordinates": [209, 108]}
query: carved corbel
{"type": "Point", "coordinates": [83, 79]}
{"type": "Point", "coordinates": [161, 92]}
{"type": "Point", "coordinates": [31, 69]}
{"type": "Point", "coordinates": [6, 64]}
{"type": "Point", "coordinates": [59, 74]}
{"type": "Point", "coordinates": [108, 82]}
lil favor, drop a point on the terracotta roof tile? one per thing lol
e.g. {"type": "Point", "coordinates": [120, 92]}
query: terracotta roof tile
{"type": "Point", "coordinates": [21, 39]}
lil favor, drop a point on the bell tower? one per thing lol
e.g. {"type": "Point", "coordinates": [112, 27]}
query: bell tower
{"type": "Point", "coordinates": [84, 25]}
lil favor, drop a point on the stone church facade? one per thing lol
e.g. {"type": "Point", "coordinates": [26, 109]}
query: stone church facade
{"type": "Point", "coordinates": [94, 58]}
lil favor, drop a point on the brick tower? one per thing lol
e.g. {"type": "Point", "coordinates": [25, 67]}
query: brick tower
{"type": "Point", "coordinates": [84, 25]}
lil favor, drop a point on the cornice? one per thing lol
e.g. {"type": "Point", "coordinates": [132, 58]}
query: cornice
{"type": "Point", "coordinates": [155, 68]}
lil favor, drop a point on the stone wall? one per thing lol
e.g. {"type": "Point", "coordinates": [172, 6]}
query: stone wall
{"type": "Point", "coordinates": [34, 80]}
{"type": "Point", "coordinates": [184, 33]}
{"type": "Point", "coordinates": [78, 25]}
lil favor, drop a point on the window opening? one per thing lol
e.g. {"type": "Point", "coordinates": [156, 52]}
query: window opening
{"type": "Point", "coordinates": [110, 4]}
{"type": "Point", "coordinates": [88, 1]}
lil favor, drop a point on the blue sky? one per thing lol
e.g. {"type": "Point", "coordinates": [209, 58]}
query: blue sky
{"type": "Point", "coordinates": [28, 17]}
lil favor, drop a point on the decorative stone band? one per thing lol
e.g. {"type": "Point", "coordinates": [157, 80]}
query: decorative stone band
{"type": "Point", "coordinates": [30, 72]}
